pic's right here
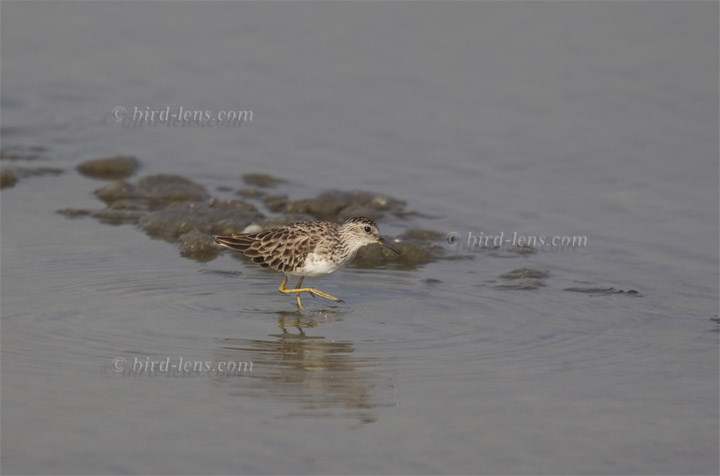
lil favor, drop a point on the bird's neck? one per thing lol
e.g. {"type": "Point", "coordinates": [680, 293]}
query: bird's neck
{"type": "Point", "coordinates": [347, 246]}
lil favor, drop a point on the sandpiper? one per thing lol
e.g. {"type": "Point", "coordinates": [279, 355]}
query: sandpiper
{"type": "Point", "coordinates": [308, 248]}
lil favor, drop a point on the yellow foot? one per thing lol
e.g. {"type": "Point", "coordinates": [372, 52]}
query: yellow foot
{"type": "Point", "coordinates": [313, 292]}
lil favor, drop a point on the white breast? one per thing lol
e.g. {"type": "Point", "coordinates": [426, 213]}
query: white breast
{"type": "Point", "coordinates": [316, 266]}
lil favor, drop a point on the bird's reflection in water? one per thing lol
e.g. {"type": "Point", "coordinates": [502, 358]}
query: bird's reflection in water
{"type": "Point", "coordinates": [299, 365]}
{"type": "Point", "coordinates": [300, 321]}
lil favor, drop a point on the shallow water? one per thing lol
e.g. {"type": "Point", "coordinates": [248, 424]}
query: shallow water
{"type": "Point", "coordinates": [596, 120]}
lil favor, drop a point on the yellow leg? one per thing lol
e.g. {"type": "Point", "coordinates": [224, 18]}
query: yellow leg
{"type": "Point", "coordinates": [299, 290]}
{"type": "Point", "coordinates": [297, 295]}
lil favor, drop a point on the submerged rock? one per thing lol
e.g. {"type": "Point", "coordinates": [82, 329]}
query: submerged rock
{"type": "Point", "coordinates": [74, 212]}
{"type": "Point", "coordinates": [249, 193]}
{"type": "Point", "coordinates": [337, 205]}
{"type": "Point", "coordinates": [118, 167]}
{"type": "Point", "coordinates": [155, 190]}
{"type": "Point", "coordinates": [524, 273]}
{"type": "Point", "coordinates": [262, 180]}
{"type": "Point", "coordinates": [522, 285]}
{"type": "Point", "coordinates": [112, 216]}
{"type": "Point", "coordinates": [7, 179]}
{"type": "Point", "coordinates": [171, 208]}
{"type": "Point", "coordinates": [276, 203]}
{"type": "Point", "coordinates": [198, 246]}
{"type": "Point", "coordinates": [523, 279]}
{"type": "Point", "coordinates": [524, 250]}
{"type": "Point", "coordinates": [413, 255]}
{"type": "Point", "coordinates": [417, 246]}
{"type": "Point", "coordinates": [125, 205]}
{"type": "Point", "coordinates": [178, 210]}
{"type": "Point", "coordinates": [210, 218]}
{"type": "Point", "coordinates": [599, 291]}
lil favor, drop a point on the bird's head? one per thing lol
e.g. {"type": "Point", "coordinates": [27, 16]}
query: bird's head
{"type": "Point", "coordinates": [363, 231]}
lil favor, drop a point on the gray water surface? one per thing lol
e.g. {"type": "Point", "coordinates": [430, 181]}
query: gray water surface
{"type": "Point", "coordinates": [595, 119]}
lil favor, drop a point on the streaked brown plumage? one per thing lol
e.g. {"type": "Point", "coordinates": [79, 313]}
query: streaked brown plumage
{"type": "Point", "coordinates": [306, 248]}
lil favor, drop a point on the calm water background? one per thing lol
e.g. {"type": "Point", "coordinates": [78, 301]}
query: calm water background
{"type": "Point", "coordinates": [596, 119]}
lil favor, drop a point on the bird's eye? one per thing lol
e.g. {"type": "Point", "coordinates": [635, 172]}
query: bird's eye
{"type": "Point", "coordinates": [367, 229]}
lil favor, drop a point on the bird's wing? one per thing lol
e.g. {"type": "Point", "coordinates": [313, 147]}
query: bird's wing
{"type": "Point", "coordinates": [283, 249]}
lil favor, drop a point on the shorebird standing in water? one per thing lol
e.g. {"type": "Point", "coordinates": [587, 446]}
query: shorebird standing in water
{"type": "Point", "coordinates": [309, 248]}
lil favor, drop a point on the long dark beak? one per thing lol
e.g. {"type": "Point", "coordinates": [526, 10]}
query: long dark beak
{"type": "Point", "coordinates": [384, 242]}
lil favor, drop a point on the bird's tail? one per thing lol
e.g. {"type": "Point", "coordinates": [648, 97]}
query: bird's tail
{"type": "Point", "coordinates": [239, 242]}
